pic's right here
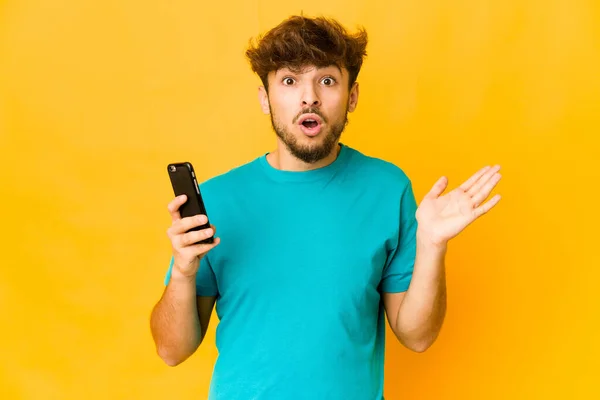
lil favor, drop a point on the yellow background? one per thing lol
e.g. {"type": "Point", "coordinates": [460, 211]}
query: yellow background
{"type": "Point", "coordinates": [96, 97]}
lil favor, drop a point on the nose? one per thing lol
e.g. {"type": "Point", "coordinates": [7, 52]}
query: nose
{"type": "Point", "coordinates": [310, 97]}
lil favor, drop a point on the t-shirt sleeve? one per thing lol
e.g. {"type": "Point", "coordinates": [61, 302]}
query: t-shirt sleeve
{"type": "Point", "coordinates": [206, 283]}
{"type": "Point", "coordinates": [397, 273]}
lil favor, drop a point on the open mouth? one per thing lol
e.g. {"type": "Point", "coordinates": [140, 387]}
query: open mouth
{"type": "Point", "coordinates": [310, 124]}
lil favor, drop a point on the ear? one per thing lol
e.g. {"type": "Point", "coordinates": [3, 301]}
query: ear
{"type": "Point", "coordinates": [263, 98]}
{"type": "Point", "coordinates": [353, 97]}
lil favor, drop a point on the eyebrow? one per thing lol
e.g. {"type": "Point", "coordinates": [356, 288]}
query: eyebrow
{"type": "Point", "coordinates": [324, 70]}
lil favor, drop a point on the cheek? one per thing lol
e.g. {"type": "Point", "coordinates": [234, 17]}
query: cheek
{"type": "Point", "coordinates": [282, 109]}
{"type": "Point", "coordinates": [338, 106]}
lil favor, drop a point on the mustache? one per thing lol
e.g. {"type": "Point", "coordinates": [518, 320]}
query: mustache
{"type": "Point", "coordinates": [310, 110]}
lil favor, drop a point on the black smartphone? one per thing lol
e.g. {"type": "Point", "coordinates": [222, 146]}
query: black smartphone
{"type": "Point", "coordinates": [183, 180]}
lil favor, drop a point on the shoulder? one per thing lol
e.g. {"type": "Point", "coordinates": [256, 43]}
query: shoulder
{"type": "Point", "coordinates": [234, 177]}
{"type": "Point", "coordinates": [378, 170]}
{"type": "Point", "coordinates": [224, 193]}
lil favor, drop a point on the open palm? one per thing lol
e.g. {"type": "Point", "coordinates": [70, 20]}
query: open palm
{"type": "Point", "coordinates": [442, 217]}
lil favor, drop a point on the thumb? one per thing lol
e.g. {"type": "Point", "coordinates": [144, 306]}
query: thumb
{"type": "Point", "coordinates": [438, 188]}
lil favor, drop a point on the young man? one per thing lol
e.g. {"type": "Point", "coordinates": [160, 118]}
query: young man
{"type": "Point", "coordinates": [317, 241]}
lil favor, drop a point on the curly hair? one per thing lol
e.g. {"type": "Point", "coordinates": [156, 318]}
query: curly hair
{"type": "Point", "coordinates": [299, 41]}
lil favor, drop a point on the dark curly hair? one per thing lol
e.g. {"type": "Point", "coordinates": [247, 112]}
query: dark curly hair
{"type": "Point", "coordinates": [300, 41]}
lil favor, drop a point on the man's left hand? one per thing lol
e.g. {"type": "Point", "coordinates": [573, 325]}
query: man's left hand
{"type": "Point", "coordinates": [442, 217]}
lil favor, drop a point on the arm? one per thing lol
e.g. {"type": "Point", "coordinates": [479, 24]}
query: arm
{"type": "Point", "coordinates": [416, 316]}
{"type": "Point", "coordinates": [180, 320]}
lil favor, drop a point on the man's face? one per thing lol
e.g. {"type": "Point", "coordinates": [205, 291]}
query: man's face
{"type": "Point", "coordinates": [309, 109]}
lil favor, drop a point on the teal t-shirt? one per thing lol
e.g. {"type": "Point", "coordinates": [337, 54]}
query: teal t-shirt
{"type": "Point", "coordinates": [298, 275]}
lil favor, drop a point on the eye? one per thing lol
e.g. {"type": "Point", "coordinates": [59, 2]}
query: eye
{"type": "Point", "coordinates": [328, 81]}
{"type": "Point", "coordinates": [288, 81]}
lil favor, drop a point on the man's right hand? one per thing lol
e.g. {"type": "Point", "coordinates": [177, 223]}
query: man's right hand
{"type": "Point", "coordinates": [186, 254]}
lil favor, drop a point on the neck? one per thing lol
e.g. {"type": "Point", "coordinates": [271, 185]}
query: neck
{"type": "Point", "coordinates": [282, 159]}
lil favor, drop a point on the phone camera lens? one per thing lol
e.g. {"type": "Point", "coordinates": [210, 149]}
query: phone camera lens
{"type": "Point", "coordinates": [172, 168]}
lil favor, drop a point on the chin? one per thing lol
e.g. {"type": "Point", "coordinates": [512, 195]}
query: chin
{"type": "Point", "coordinates": [309, 149]}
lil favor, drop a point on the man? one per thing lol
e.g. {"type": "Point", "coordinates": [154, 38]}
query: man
{"type": "Point", "coordinates": [317, 241]}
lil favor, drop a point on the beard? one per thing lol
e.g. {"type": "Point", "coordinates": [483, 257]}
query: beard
{"type": "Point", "coordinates": [311, 153]}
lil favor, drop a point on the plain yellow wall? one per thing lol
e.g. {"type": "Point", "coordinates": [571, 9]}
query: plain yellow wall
{"type": "Point", "coordinates": [96, 97]}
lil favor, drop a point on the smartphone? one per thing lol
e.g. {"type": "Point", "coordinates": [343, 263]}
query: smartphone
{"type": "Point", "coordinates": [183, 181]}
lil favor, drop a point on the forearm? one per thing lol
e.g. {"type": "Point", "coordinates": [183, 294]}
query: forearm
{"type": "Point", "coordinates": [423, 309]}
{"type": "Point", "coordinates": [175, 323]}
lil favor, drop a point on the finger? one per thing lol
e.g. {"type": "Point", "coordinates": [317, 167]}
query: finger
{"type": "Point", "coordinates": [485, 191]}
{"type": "Point", "coordinates": [467, 185]}
{"type": "Point", "coordinates": [484, 208]}
{"type": "Point", "coordinates": [438, 188]}
{"type": "Point", "coordinates": [174, 205]}
{"type": "Point", "coordinates": [185, 224]}
{"type": "Point", "coordinates": [483, 180]}
{"type": "Point", "coordinates": [200, 249]}
{"type": "Point", "coordinates": [193, 237]}
{"type": "Point", "coordinates": [214, 229]}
